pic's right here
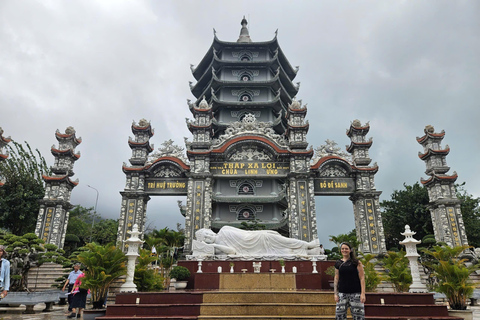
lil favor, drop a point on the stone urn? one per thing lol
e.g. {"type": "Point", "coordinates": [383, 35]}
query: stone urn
{"type": "Point", "coordinates": [180, 285]}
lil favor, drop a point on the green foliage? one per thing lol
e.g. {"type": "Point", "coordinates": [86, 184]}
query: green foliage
{"type": "Point", "coordinates": [252, 225]}
{"type": "Point", "coordinates": [24, 253]}
{"type": "Point", "coordinates": [407, 206]}
{"type": "Point", "coordinates": [350, 237]}
{"type": "Point", "coordinates": [147, 278]}
{"type": "Point", "coordinates": [179, 273]}
{"type": "Point", "coordinates": [50, 247]}
{"type": "Point", "coordinates": [104, 265]}
{"type": "Point", "coordinates": [397, 270]}
{"type": "Point", "coordinates": [167, 243]}
{"type": "Point", "coordinates": [330, 271]}
{"type": "Point", "coordinates": [470, 207]}
{"type": "Point", "coordinates": [451, 273]}
{"type": "Point", "coordinates": [22, 172]}
{"type": "Point", "coordinates": [372, 279]}
{"type": "Point", "coordinates": [80, 232]}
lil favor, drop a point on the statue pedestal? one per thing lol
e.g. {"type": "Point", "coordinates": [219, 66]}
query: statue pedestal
{"type": "Point", "coordinates": [303, 279]}
{"type": "Point", "coordinates": [257, 281]}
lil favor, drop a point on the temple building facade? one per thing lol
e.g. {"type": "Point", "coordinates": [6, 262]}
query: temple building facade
{"type": "Point", "coordinates": [248, 159]}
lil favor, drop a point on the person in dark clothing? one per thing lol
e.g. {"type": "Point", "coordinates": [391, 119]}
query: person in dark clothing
{"type": "Point", "coordinates": [79, 299]}
{"type": "Point", "coordinates": [349, 285]}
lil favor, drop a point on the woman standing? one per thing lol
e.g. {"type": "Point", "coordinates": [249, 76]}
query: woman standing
{"type": "Point", "coordinates": [349, 285]}
{"type": "Point", "coordinates": [79, 299]}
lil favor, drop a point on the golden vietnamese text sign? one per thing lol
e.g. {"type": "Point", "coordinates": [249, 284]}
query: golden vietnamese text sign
{"type": "Point", "coordinates": [166, 186]}
{"type": "Point", "coordinates": [340, 186]}
{"type": "Point", "coordinates": [249, 168]}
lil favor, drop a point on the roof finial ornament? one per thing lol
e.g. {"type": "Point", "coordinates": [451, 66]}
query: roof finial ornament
{"type": "Point", "coordinates": [244, 35]}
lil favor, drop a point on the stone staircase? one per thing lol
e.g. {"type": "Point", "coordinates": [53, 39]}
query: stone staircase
{"type": "Point", "coordinates": [42, 278]}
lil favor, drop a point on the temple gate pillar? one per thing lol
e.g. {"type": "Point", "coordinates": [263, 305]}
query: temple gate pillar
{"type": "Point", "coordinates": [365, 199]}
{"type": "Point", "coordinates": [134, 198]}
{"type": "Point", "coordinates": [53, 215]}
{"type": "Point", "coordinates": [444, 205]}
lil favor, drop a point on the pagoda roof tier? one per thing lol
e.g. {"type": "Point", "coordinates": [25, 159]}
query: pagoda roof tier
{"type": "Point", "coordinates": [353, 145]}
{"type": "Point", "coordinates": [249, 138]}
{"type": "Point", "coordinates": [373, 169]}
{"type": "Point", "coordinates": [67, 152]}
{"type": "Point", "coordinates": [142, 126]}
{"type": "Point", "coordinates": [250, 199]}
{"type": "Point", "coordinates": [357, 128]}
{"type": "Point", "coordinates": [3, 156]}
{"type": "Point", "coordinates": [218, 45]}
{"type": "Point", "coordinates": [304, 126]}
{"type": "Point", "coordinates": [4, 140]}
{"type": "Point", "coordinates": [61, 179]}
{"type": "Point", "coordinates": [275, 103]}
{"type": "Point", "coordinates": [269, 224]}
{"type": "Point", "coordinates": [431, 135]}
{"type": "Point", "coordinates": [68, 137]}
{"type": "Point", "coordinates": [204, 82]}
{"type": "Point", "coordinates": [431, 152]}
{"type": "Point", "coordinates": [192, 127]}
{"type": "Point", "coordinates": [296, 111]}
{"type": "Point", "coordinates": [135, 144]}
{"type": "Point", "coordinates": [442, 178]}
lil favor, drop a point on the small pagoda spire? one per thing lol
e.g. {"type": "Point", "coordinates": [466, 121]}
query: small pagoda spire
{"type": "Point", "coordinates": [244, 35]}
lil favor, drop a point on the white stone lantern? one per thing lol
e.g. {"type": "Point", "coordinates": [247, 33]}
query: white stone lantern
{"type": "Point", "coordinates": [411, 248]}
{"type": "Point", "coordinates": [133, 244]}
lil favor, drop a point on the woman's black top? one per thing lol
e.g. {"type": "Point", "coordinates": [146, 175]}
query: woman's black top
{"type": "Point", "coordinates": [348, 279]}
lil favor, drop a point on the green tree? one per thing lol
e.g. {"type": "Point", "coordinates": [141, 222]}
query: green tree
{"type": "Point", "coordinates": [80, 231]}
{"type": "Point", "coordinates": [372, 278]}
{"type": "Point", "coordinates": [397, 270]}
{"type": "Point", "coordinates": [407, 206]}
{"type": "Point", "coordinates": [350, 237]}
{"type": "Point", "coordinates": [146, 278]}
{"type": "Point", "coordinates": [167, 244]}
{"type": "Point", "coordinates": [470, 207]}
{"type": "Point", "coordinates": [22, 172]}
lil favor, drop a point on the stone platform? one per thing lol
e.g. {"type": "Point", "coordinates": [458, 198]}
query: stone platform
{"type": "Point", "coordinates": [246, 295]}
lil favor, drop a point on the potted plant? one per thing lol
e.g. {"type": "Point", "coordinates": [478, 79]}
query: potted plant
{"type": "Point", "coordinates": [452, 275]}
{"type": "Point", "coordinates": [282, 264]}
{"type": "Point", "coordinates": [103, 265]}
{"type": "Point", "coordinates": [331, 272]}
{"type": "Point", "coordinates": [180, 274]}
{"type": "Point", "coordinates": [231, 267]}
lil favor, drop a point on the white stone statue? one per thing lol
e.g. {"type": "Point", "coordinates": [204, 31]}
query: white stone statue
{"type": "Point", "coordinates": [238, 242]}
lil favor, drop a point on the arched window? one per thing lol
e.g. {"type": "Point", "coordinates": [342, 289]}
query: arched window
{"type": "Point", "coordinates": [245, 97]}
{"type": "Point", "coordinates": [246, 188]}
{"type": "Point", "coordinates": [245, 77]}
{"type": "Point", "coordinates": [246, 214]}
{"type": "Point", "coordinates": [245, 58]}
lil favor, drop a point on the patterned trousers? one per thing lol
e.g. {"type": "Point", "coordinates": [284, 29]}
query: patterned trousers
{"type": "Point", "coordinates": [356, 307]}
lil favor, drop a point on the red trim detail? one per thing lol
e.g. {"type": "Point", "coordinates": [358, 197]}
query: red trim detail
{"type": "Point", "coordinates": [3, 156]}
{"type": "Point", "coordinates": [66, 151]}
{"type": "Point", "coordinates": [435, 135]}
{"type": "Point", "coordinates": [176, 160]}
{"type": "Point", "coordinates": [431, 151]}
{"type": "Point", "coordinates": [59, 178]}
{"type": "Point", "coordinates": [324, 159]}
{"type": "Point", "coordinates": [232, 141]}
{"type": "Point", "coordinates": [437, 177]}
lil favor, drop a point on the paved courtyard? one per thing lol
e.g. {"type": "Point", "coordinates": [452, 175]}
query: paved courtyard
{"type": "Point", "coordinates": [59, 312]}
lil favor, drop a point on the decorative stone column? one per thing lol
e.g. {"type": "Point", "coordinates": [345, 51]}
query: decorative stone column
{"type": "Point", "coordinates": [411, 247]}
{"type": "Point", "coordinates": [133, 244]}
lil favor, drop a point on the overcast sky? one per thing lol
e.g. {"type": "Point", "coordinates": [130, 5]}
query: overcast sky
{"type": "Point", "coordinates": [99, 65]}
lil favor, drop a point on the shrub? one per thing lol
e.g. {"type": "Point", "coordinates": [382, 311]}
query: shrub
{"type": "Point", "coordinates": [180, 273]}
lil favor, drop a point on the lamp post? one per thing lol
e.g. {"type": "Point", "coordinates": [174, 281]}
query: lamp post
{"type": "Point", "coordinates": [412, 255]}
{"type": "Point", "coordinates": [96, 202]}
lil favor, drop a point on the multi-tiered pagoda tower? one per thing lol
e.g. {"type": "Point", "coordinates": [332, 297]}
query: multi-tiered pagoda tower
{"type": "Point", "coordinates": [444, 205]}
{"type": "Point", "coordinates": [249, 159]}
{"type": "Point", "coordinates": [54, 210]}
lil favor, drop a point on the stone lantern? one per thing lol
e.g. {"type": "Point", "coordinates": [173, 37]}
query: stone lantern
{"type": "Point", "coordinates": [411, 248]}
{"type": "Point", "coordinates": [133, 244]}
